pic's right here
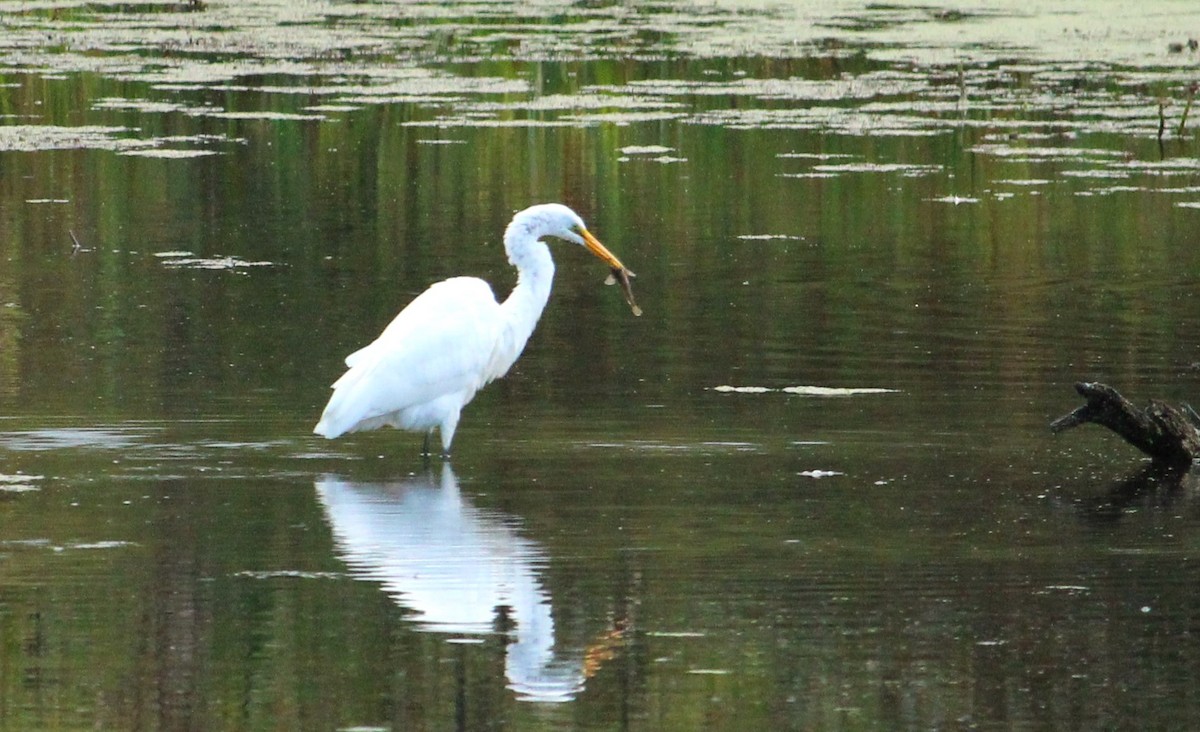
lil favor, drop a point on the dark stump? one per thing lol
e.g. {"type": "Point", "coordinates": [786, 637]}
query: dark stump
{"type": "Point", "coordinates": [1169, 435]}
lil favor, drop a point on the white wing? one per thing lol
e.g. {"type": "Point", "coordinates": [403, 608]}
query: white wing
{"type": "Point", "coordinates": [439, 347]}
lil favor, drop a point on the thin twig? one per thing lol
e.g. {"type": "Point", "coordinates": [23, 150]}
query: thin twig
{"type": "Point", "coordinates": [1187, 108]}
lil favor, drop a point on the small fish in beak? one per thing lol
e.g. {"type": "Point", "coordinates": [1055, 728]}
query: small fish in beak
{"type": "Point", "coordinates": [622, 275]}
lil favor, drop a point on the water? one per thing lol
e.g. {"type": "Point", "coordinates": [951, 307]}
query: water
{"type": "Point", "coordinates": [811, 488]}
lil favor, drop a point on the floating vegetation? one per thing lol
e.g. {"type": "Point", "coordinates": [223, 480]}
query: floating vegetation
{"type": "Point", "coordinates": [816, 156]}
{"type": "Point", "coordinates": [26, 543]}
{"type": "Point", "coordinates": [646, 150]}
{"type": "Point", "coordinates": [1026, 91]}
{"type": "Point", "coordinates": [32, 138]}
{"type": "Point", "coordinates": [453, 122]}
{"type": "Point", "coordinates": [332, 108]}
{"type": "Point", "coordinates": [955, 200]}
{"type": "Point", "coordinates": [653, 153]}
{"type": "Point", "coordinates": [769, 237]}
{"type": "Point", "coordinates": [263, 115]}
{"type": "Point", "coordinates": [823, 391]}
{"type": "Point", "coordinates": [906, 169]}
{"type": "Point", "coordinates": [1101, 173]}
{"type": "Point", "coordinates": [623, 119]}
{"type": "Point", "coordinates": [1170, 166]}
{"type": "Point", "coordinates": [111, 544]}
{"type": "Point", "coordinates": [184, 260]}
{"type": "Point", "coordinates": [168, 153]}
{"type": "Point", "coordinates": [1042, 153]}
{"type": "Point", "coordinates": [866, 86]}
{"type": "Point", "coordinates": [828, 391]}
{"type": "Point", "coordinates": [35, 138]}
{"type": "Point", "coordinates": [19, 483]}
{"type": "Point", "coordinates": [575, 102]}
{"type": "Point", "coordinates": [147, 106]}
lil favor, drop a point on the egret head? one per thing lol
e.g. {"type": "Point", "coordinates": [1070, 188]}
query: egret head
{"type": "Point", "coordinates": [555, 219]}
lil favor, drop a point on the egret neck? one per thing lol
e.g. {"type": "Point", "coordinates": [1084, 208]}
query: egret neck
{"type": "Point", "coordinates": [535, 275]}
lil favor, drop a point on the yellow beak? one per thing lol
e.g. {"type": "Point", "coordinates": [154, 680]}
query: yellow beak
{"type": "Point", "coordinates": [595, 247]}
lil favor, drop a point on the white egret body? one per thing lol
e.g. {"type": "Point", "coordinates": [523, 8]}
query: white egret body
{"type": "Point", "coordinates": [454, 338]}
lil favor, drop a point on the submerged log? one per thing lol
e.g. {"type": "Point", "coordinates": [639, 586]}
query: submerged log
{"type": "Point", "coordinates": [1169, 435]}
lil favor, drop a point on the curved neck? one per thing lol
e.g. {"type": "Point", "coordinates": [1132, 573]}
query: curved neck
{"type": "Point", "coordinates": [535, 275]}
{"type": "Point", "coordinates": [524, 305]}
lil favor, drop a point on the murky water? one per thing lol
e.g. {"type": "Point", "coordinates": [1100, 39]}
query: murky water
{"type": "Point", "coordinates": [811, 488]}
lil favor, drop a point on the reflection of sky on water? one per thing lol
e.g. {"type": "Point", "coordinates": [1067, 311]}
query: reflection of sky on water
{"type": "Point", "coordinates": [457, 568]}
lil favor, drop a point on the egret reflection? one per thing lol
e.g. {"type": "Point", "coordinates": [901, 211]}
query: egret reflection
{"type": "Point", "coordinates": [459, 569]}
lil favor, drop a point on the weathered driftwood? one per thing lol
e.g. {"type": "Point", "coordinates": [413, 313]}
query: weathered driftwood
{"type": "Point", "coordinates": [1169, 435]}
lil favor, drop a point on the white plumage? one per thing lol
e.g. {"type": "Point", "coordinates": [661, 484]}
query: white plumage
{"type": "Point", "coordinates": [454, 338]}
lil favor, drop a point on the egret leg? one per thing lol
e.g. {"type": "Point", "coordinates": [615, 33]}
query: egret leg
{"type": "Point", "coordinates": [425, 445]}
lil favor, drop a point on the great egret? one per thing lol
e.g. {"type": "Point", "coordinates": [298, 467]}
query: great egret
{"type": "Point", "coordinates": [454, 338]}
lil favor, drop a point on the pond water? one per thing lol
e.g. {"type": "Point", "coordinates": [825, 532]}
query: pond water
{"type": "Point", "coordinates": [812, 487]}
